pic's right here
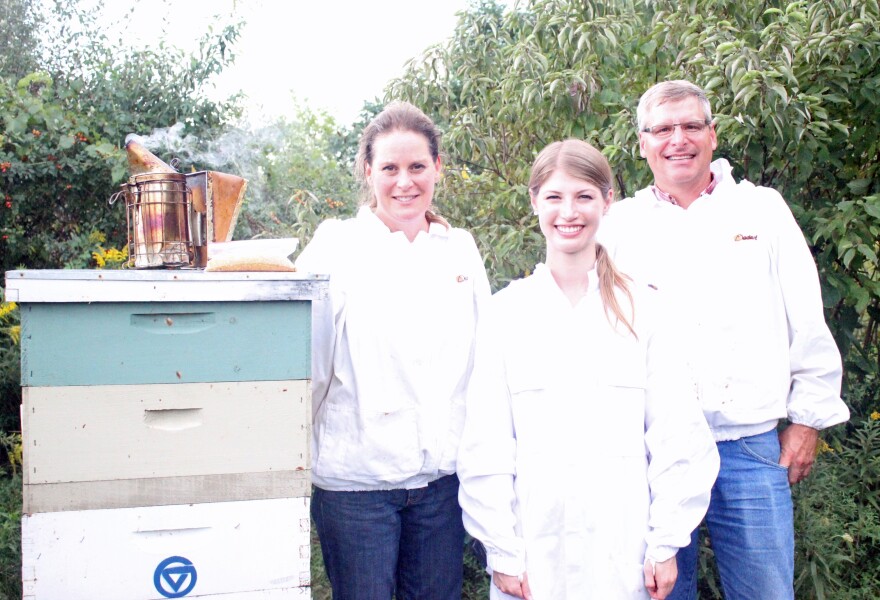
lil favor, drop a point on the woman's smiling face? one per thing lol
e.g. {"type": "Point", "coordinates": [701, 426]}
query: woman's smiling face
{"type": "Point", "coordinates": [402, 177]}
{"type": "Point", "coordinates": [569, 211]}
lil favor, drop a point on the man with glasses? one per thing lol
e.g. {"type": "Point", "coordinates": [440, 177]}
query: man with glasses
{"type": "Point", "coordinates": [743, 290]}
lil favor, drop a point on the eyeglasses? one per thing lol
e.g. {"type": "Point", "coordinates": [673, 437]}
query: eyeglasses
{"type": "Point", "coordinates": [665, 130]}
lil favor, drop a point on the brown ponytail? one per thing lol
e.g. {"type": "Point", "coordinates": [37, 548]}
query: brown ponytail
{"type": "Point", "coordinates": [433, 217]}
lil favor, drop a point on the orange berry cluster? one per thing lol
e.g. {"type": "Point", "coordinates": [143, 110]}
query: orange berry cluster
{"type": "Point", "coordinates": [333, 203]}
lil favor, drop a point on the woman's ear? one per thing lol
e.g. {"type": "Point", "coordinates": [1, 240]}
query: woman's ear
{"type": "Point", "coordinates": [534, 202]}
{"type": "Point", "coordinates": [609, 198]}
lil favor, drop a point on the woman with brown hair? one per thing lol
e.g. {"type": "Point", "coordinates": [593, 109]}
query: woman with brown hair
{"type": "Point", "coordinates": [392, 357]}
{"type": "Point", "coordinates": [585, 461]}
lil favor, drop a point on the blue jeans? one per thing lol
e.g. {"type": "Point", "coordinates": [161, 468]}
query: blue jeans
{"type": "Point", "coordinates": [408, 543]}
{"type": "Point", "coordinates": [750, 522]}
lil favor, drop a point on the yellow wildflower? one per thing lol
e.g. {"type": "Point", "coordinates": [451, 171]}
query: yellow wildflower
{"type": "Point", "coordinates": [11, 442]}
{"type": "Point", "coordinates": [117, 256]}
{"type": "Point", "coordinates": [99, 259]}
{"type": "Point", "coordinates": [110, 258]}
{"type": "Point", "coordinates": [822, 447]}
{"type": "Point", "coordinates": [6, 309]}
{"type": "Point", "coordinates": [16, 457]}
{"type": "Point", "coordinates": [875, 416]}
{"type": "Point", "coordinates": [15, 333]}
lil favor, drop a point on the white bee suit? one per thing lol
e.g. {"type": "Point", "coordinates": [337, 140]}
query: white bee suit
{"type": "Point", "coordinates": [584, 449]}
{"type": "Point", "coordinates": [392, 351]}
{"type": "Point", "coordinates": [747, 296]}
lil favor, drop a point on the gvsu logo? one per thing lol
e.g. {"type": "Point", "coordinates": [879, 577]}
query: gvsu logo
{"type": "Point", "coordinates": [175, 577]}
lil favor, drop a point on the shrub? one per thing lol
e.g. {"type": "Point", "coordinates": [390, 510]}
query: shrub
{"type": "Point", "coordinates": [10, 537]}
{"type": "Point", "coordinates": [837, 519]}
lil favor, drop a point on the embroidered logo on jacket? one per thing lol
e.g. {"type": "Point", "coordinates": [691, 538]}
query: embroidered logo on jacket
{"type": "Point", "coordinates": [741, 238]}
{"type": "Point", "coordinates": [461, 278]}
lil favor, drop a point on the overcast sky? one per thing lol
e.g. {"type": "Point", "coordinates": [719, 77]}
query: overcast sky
{"type": "Point", "coordinates": [333, 55]}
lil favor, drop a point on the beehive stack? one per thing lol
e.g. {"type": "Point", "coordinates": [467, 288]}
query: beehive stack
{"type": "Point", "coordinates": [183, 470]}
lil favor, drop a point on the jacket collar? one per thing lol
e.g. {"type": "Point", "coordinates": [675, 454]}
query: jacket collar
{"type": "Point", "coordinates": [719, 170]}
{"type": "Point", "coordinates": [366, 215]}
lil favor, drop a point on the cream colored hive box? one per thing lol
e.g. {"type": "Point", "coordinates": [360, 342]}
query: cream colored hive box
{"type": "Point", "coordinates": [166, 423]}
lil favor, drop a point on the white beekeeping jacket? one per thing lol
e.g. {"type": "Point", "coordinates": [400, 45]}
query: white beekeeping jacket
{"type": "Point", "coordinates": [584, 449]}
{"type": "Point", "coordinates": [392, 351]}
{"type": "Point", "coordinates": [737, 269]}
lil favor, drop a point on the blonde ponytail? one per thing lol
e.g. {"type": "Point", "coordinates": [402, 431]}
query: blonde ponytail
{"type": "Point", "coordinates": [609, 279]}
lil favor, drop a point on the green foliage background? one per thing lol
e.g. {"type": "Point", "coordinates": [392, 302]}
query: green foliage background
{"type": "Point", "coordinates": [795, 87]}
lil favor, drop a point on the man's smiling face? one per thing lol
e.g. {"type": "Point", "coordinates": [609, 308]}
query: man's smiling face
{"type": "Point", "coordinates": [680, 162]}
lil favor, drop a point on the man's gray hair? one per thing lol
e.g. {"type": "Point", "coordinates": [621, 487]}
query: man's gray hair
{"type": "Point", "coordinates": [671, 91]}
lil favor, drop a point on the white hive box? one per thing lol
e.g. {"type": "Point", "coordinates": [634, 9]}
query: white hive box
{"type": "Point", "coordinates": [252, 549]}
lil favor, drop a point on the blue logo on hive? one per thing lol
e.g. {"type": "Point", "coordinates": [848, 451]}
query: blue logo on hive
{"type": "Point", "coordinates": [175, 577]}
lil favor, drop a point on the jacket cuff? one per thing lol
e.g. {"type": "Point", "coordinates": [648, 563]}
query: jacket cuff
{"type": "Point", "coordinates": [839, 415]}
{"type": "Point", "coordinates": [660, 553]}
{"type": "Point", "coordinates": [506, 564]}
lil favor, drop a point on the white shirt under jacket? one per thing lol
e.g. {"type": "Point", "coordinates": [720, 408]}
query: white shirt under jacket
{"type": "Point", "coordinates": [392, 351]}
{"type": "Point", "coordinates": [584, 451]}
{"type": "Point", "coordinates": [746, 293]}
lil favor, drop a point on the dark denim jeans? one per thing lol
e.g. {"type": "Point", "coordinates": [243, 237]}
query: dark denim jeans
{"type": "Point", "coordinates": [750, 522]}
{"type": "Point", "coordinates": [404, 542]}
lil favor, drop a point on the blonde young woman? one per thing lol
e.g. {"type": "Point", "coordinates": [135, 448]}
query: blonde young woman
{"type": "Point", "coordinates": [392, 357]}
{"type": "Point", "coordinates": [585, 461]}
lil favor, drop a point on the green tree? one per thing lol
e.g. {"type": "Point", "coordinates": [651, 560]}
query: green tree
{"type": "Point", "coordinates": [795, 87]}
{"type": "Point", "coordinates": [19, 44]}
